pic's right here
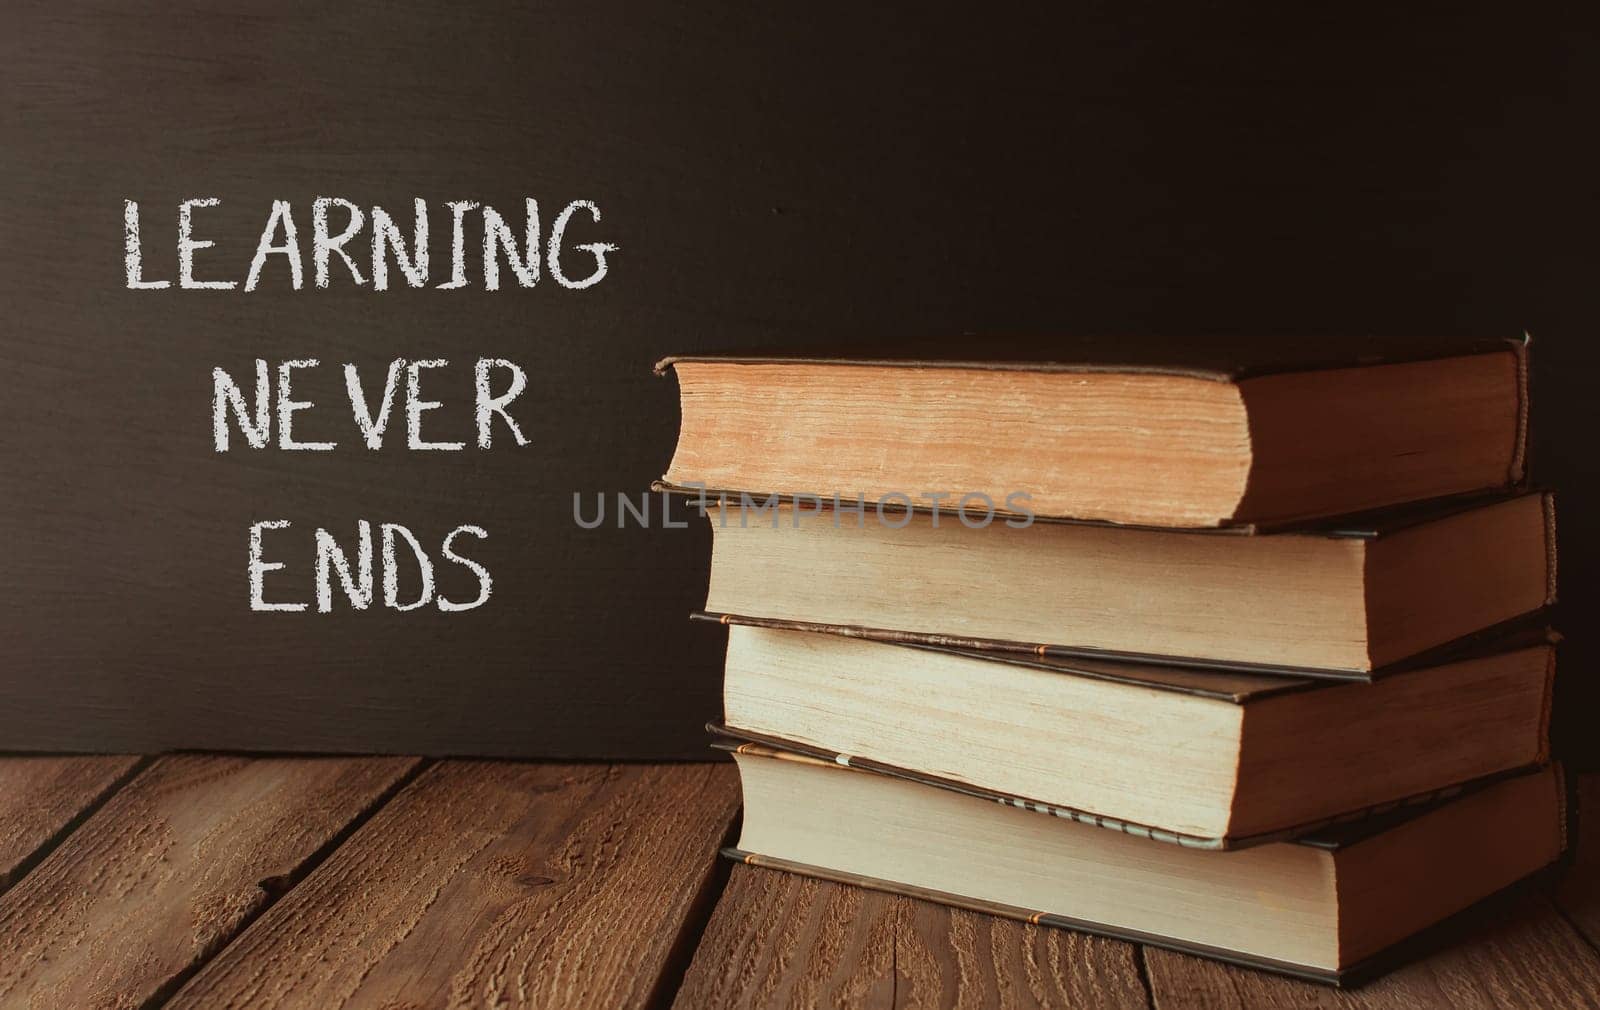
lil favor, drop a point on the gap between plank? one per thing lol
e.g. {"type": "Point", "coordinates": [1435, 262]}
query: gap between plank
{"type": "Point", "coordinates": [1142, 968]}
{"type": "Point", "coordinates": [276, 887]}
{"type": "Point", "coordinates": [693, 928]}
{"type": "Point", "coordinates": [894, 967]}
{"type": "Point", "coordinates": [89, 809]}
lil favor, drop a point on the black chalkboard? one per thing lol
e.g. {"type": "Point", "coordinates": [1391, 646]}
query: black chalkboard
{"type": "Point", "coordinates": [773, 176]}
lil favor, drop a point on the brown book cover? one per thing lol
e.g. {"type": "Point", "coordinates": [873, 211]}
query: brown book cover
{"type": "Point", "coordinates": [1225, 360]}
{"type": "Point", "coordinates": [1330, 832]}
{"type": "Point", "coordinates": [1368, 525]}
{"type": "Point", "coordinates": [1332, 836]}
{"type": "Point", "coordinates": [1250, 679]}
{"type": "Point", "coordinates": [1223, 683]}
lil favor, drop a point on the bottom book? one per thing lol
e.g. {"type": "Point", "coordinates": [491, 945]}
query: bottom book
{"type": "Point", "coordinates": [1334, 907]}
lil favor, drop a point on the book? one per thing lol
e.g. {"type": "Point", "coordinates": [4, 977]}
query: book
{"type": "Point", "coordinates": [1331, 907]}
{"type": "Point", "coordinates": [1206, 758]}
{"type": "Point", "coordinates": [1350, 601]}
{"type": "Point", "coordinates": [1197, 434]}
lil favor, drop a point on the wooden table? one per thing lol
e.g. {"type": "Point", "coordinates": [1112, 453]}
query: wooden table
{"type": "Point", "coordinates": [208, 881]}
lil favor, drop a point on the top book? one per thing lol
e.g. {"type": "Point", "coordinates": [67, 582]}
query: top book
{"type": "Point", "coordinates": [1242, 433]}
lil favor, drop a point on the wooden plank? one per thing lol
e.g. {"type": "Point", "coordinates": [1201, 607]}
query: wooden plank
{"type": "Point", "coordinates": [169, 870]}
{"type": "Point", "coordinates": [780, 940]}
{"type": "Point", "coordinates": [42, 797]}
{"type": "Point", "coordinates": [1517, 953]}
{"type": "Point", "coordinates": [1579, 892]}
{"type": "Point", "coordinates": [495, 884]}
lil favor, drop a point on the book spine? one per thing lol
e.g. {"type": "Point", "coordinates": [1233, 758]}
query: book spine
{"type": "Point", "coordinates": [1517, 473]}
{"type": "Point", "coordinates": [1546, 706]}
{"type": "Point", "coordinates": [1567, 810]}
{"type": "Point", "coordinates": [1549, 548]}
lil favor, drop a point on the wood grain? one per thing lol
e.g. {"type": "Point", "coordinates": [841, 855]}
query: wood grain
{"type": "Point", "coordinates": [1517, 953]}
{"type": "Point", "coordinates": [490, 884]}
{"type": "Point", "coordinates": [780, 940]}
{"type": "Point", "coordinates": [41, 797]}
{"type": "Point", "coordinates": [169, 870]}
{"type": "Point", "coordinates": [1579, 892]}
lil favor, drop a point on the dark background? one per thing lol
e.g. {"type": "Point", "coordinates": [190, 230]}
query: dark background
{"type": "Point", "coordinates": [774, 175]}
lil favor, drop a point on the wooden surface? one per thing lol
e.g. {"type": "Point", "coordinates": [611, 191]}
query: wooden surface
{"type": "Point", "coordinates": [782, 940]}
{"type": "Point", "coordinates": [41, 797]}
{"type": "Point", "coordinates": [169, 870]}
{"type": "Point", "coordinates": [196, 881]}
{"type": "Point", "coordinates": [493, 884]}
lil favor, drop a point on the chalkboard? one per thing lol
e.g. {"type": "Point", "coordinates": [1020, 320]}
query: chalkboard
{"type": "Point", "coordinates": [777, 176]}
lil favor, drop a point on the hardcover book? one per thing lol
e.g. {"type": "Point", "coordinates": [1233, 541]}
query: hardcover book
{"type": "Point", "coordinates": [1331, 907]}
{"type": "Point", "coordinates": [1193, 434]}
{"type": "Point", "coordinates": [1351, 601]}
{"type": "Point", "coordinates": [1207, 758]}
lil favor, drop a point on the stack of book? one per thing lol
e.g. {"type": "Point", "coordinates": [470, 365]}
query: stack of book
{"type": "Point", "coordinates": [1235, 649]}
